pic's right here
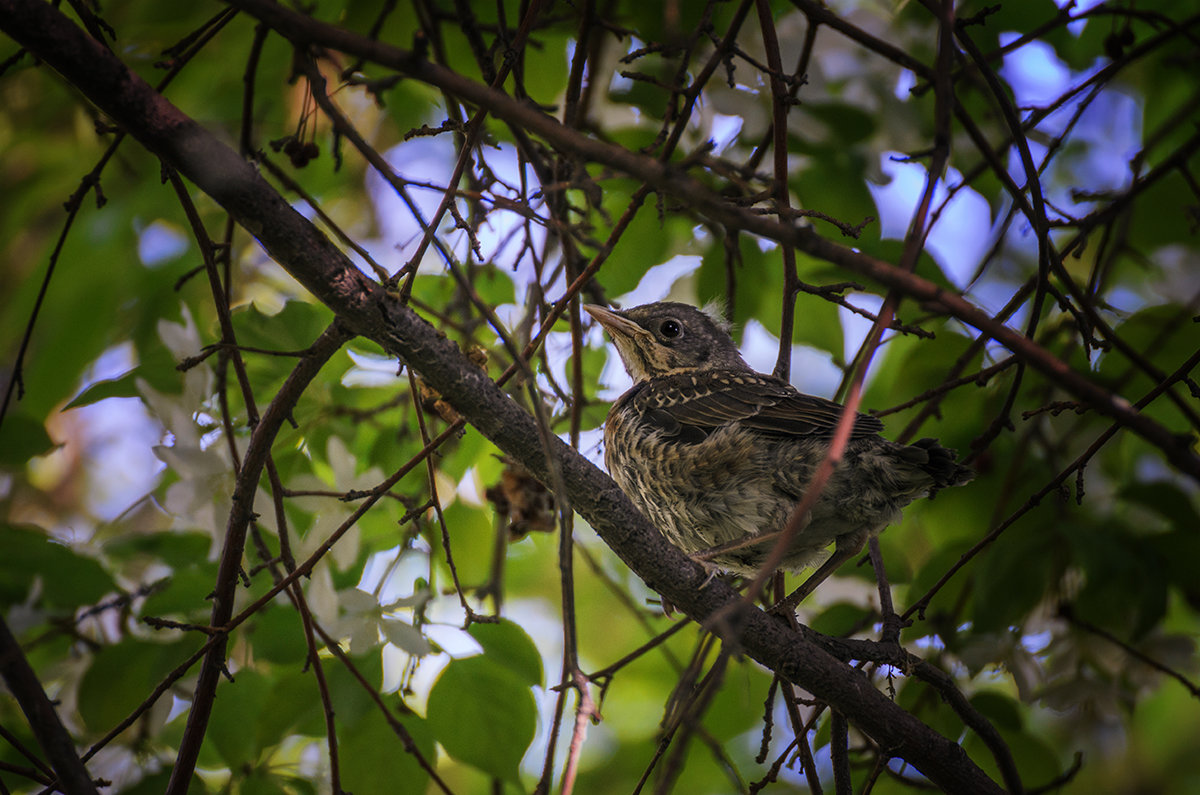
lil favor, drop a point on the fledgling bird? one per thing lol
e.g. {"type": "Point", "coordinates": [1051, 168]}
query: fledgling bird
{"type": "Point", "coordinates": [712, 451]}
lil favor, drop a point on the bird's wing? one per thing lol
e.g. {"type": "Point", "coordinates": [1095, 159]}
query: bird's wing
{"type": "Point", "coordinates": [693, 406]}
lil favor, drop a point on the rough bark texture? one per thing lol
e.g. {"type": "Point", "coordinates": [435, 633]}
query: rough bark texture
{"type": "Point", "coordinates": [364, 307]}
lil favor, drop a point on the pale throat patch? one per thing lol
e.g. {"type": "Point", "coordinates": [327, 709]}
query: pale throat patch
{"type": "Point", "coordinates": [640, 365]}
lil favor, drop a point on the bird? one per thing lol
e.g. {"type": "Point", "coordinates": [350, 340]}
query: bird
{"type": "Point", "coordinates": [713, 452]}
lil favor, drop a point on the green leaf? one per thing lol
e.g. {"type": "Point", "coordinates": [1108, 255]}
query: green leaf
{"type": "Point", "coordinates": [176, 549]}
{"type": "Point", "coordinates": [185, 593]}
{"type": "Point", "coordinates": [277, 634]}
{"type": "Point", "coordinates": [121, 675]}
{"type": "Point", "coordinates": [1167, 500]}
{"type": "Point", "coordinates": [237, 710]}
{"type": "Point", "coordinates": [263, 782]}
{"type": "Point", "coordinates": [840, 620]}
{"type": "Point", "coordinates": [506, 643]}
{"type": "Point", "coordinates": [1123, 584]}
{"type": "Point", "coordinates": [1016, 575]}
{"type": "Point", "coordinates": [1179, 550]}
{"type": "Point", "coordinates": [292, 328]}
{"type": "Point", "coordinates": [295, 708]}
{"type": "Point", "coordinates": [124, 386]}
{"type": "Point", "coordinates": [157, 784]}
{"type": "Point", "coordinates": [471, 538]}
{"type": "Point", "coordinates": [373, 757]}
{"type": "Point", "coordinates": [642, 246]}
{"type": "Point", "coordinates": [1037, 760]}
{"type": "Point", "coordinates": [23, 438]}
{"type": "Point", "coordinates": [67, 579]}
{"type": "Point", "coordinates": [347, 692]}
{"type": "Point", "coordinates": [483, 714]}
{"type": "Point", "coordinates": [1002, 710]}
{"type": "Point", "coordinates": [921, 700]}
{"type": "Point", "coordinates": [848, 124]}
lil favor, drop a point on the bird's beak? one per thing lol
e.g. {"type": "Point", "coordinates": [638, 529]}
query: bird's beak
{"type": "Point", "coordinates": [620, 328]}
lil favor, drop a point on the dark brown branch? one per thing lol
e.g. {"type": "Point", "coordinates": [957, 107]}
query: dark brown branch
{"type": "Point", "coordinates": [669, 179]}
{"type": "Point", "coordinates": [367, 309]}
{"type": "Point", "coordinates": [43, 719]}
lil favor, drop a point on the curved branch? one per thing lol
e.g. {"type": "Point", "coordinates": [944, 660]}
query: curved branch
{"type": "Point", "coordinates": [668, 178]}
{"type": "Point", "coordinates": [368, 310]}
{"type": "Point", "coordinates": [43, 719]}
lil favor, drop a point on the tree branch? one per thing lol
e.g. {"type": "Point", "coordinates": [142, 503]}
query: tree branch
{"type": "Point", "coordinates": [43, 720]}
{"type": "Point", "coordinates": [368, 310]}
{"type": "Point", "coordinates": [668, 178]}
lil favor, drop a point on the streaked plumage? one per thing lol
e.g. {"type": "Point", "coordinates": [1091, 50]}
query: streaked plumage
{"type": "Point", "coordinates": [712, 451]}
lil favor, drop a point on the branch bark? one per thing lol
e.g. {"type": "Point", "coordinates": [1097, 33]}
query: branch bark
{"type": "Point", "coordinates": [43, 719]}
{"type": "Point", "coordinates": [669, 179]}
{"type": "Point", "coordinates": [367, 309]}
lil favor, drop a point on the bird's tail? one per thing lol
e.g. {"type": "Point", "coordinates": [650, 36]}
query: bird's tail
{"type": "Point", "coordinates": [939, 463]}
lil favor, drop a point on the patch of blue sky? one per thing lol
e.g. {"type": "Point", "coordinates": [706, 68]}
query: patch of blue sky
{"type": "Point", "coordinates": [1034, 72]}
{"type": "Point", "coordinates": [723, 131]}
{"type": "Point", "coordinates": [1037, 642]}
{"type": "Point", "coordinates": [114, 439]}
{"type": "Point", "coordinates": [955, 241]}
{"type": "Point", "coordinates": [1077, 7]}
{"type": "Point", "coordinates": [160, 242]}
{"type": "Point", "coordinates": [811, 370]}
{"type": "Point", "coordinates": [855, 327]}
{"type": "Point", "coordinates": [1104, 140]}
{"type": "Point", "coordinates": [905, 82]}
{"type": "Point", "coordinates": [371, 370]}
{"type": "Point", "coordinates": [424, 163]}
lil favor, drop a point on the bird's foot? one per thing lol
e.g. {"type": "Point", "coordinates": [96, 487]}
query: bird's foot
{"type": "Point", "coordinates": [713, 570]}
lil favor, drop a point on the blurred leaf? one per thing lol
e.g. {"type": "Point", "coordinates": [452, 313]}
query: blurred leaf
{"type": "Point", "coordinates": [374, 758]}
{"type": "Point", "coordinates": [1017, 574]}
{"type": "Point", "coordinates": [122, 386]}
{"type": "Point", "coordinates": [185, 593]}
{"type": "Point", "coordinates": [67, 580]}
{"type": "Point", "coordinates": [471, 538]}
{"type": "Point", "coordinates": [346, 691]}
{"type": "Point", "coordinates": [157, 784]}
{"type": "Point", "coordinates": [924, 702]}
{"type": "Point", "coordinates": [483, 713]}
{"type": "Point", "coordinates": [1178, 550]}
{"type": "Point", "coordinates": [1167, 500]}
{"type": "Point", "coordinates": [277, 634]}
{"type": "Point", "coordinates": [294, 707]}
{"type": "Point", "coordinates": [505, 643]}
{"type": "Point", "coordinates": [263, 782]}
{"type": "Point", "coordinates": [1038, 764]}
{"type": "Point", "coordinates": [643, 245]}
{"type": "Point", "coordinates": [175, 549]}
{"type": "Point", "coordinates": [1003, 711]}
{"type": "Point", "coordinates": [24, 437]}
{"type": "Point", "coordinates": [120, 676]}
{"type": "Point", "coordinates": [293, 328]}
{"type": "Point", "coordinates": [1123, 586]}
{"type": "Point", "coordinates": [847, 124]}
{"type": "Point", "coordinates": [840, 620]}
{"type": "Point", "coordinates": [233, 726]}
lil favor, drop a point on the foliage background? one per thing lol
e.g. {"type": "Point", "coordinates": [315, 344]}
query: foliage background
{"type": "Point", "coordinates": [1071, 631]}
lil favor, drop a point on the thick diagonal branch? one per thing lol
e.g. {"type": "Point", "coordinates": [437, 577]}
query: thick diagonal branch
{"type": "Point", "coordinates": [669, 179]}
{"type": "Point", "coordinates": [368, 310]}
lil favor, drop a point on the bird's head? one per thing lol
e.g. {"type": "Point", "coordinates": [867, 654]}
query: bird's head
{"type": "Point", "coordinates": [668, 338]}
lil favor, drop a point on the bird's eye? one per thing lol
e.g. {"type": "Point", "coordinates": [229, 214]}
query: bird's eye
{"type": "Point", "coordinates": [670, 329]}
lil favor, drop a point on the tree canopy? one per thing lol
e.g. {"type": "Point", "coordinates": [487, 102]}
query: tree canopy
{"type": "Point", "coordinates": [299, 442]}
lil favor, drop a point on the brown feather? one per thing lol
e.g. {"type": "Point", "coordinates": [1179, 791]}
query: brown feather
{"type": "Point", "coordinates": [762, 403]}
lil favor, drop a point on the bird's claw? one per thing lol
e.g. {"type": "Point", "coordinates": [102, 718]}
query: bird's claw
{"type": "Point", "coordinates": [713, 570]}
